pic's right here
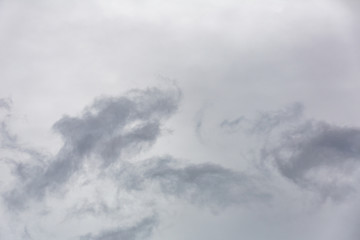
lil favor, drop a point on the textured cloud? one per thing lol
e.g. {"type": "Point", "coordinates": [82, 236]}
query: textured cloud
{"type": "Point", "coordinates": [10, 145]}
{"type": "Point", "coordinates": [267, 121]}
{"type": "Point", "coordinates": [110, 132]}
{"type": "Point", "coordinates": [321, 156]}
{"type": "Point", "coordinates": [231, 123]}
{"type": "Point", "coordinates": [264, 122]}
{"type": "Point", "coordinates": [140, 230]}
{"type": "Point", "coordinates": [107, 129]}
{"type": "Point", "coordinates": [107, 167]}
{"type": "Point", "coordinates": [315, 155]}
{"type": "Point", "coordinates": [206, 184]}
{"type": "Point", "coordinates": [5, 103]}
{"type": "Point", "coordinates": [312, 154]}
{"type": "Point", "coordinates": [111, 125]}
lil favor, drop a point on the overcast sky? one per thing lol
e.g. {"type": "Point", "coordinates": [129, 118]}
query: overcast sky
{"type": "Point", "coordinates": [179, 120]}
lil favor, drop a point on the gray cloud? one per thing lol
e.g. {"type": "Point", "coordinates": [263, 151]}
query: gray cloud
{"type": "Point", "coordinates": [5, 103]}
{"type": "Point", "coordinates": [26, 235]}
{"type": "Point", "coordinates": [114, 128]}
{"type": "Point", "coordinates": [267, 121]}
{"type": "Point", "coordinates": [231, 123]}
{"type": "Point", "coordinates": [10, 143]}
{"type": "Point", "coordinates": [313, 154]}
{"type": "Point", "coordinates": [7, 139]}
{"type": "Point", "coordinates": [140, 230]}
{"type": "Point", "coordinates": [109, 128]}
{"type": "Point", "coordinates": [308, 154]}
{"type": "Point", "coordinates": [111, 125]}
{"type": "Point", "coordinates": [264, 122]}
{"type": "Point", "coordinates": [199, 121]}
{"type": "Point", "coordinates": [87, 208]}
{"type": "Point", "coordinates": [321, 156]}
{"type": "Point", "coordinates": [206, 184]}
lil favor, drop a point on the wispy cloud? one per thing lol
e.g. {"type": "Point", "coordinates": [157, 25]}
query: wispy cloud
{"type": "Point", "coordinates": [107, 130]}
{"type": "Point", "coordinates": [140, 230]}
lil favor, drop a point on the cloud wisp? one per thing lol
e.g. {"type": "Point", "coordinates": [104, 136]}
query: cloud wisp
{"type": "Point", "coordinates": [313, 155]}
{"type": "Point", "coordinates": [320, 156]}
{"type": "Point", "coordinates": [206, 184]}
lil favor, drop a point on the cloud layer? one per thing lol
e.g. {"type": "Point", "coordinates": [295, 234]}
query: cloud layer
{"type": "Point", "coordinates": [100, 153]}
{"type": "Point", "coordinates": [222, 156]}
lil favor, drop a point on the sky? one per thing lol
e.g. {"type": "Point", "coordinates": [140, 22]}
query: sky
{"type": "Point", "coordinates": [179, 120]}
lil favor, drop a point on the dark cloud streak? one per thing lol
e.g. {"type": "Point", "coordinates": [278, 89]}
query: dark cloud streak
{"type": "Point", "coordinates": [321, 156]}
{"type": "Point", "coordinates": [206, 184]}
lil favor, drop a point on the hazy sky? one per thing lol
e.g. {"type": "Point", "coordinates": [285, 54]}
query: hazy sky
{"type": "Point", "coordinates": [179, 120]}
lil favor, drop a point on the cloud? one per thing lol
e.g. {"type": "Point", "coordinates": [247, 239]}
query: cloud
{"type": "Point", "coordinates": [264, 122]}
{"type": "Point", "coordinates": [231, 123]}
{"type": "Point", "coordinates": [267, 121]}
{"type": "Point", "coordinates": [206, 184]}
{"type": "Point", "coordinates": [312, 154]}
{"type": "Point", "coordinates": [257, 54]}
{"type": "Point", "coordinates": [13, 150]}
{"type": "Point", "coordinates": [26, 235]}
{"type": "Point", "coordinates": [315, 155]}
{"type": "Point", "coordinates": [107, 130]}
{"type": "Point", "coordinates": [141, 230]}
{"type": "Point", "coordinates": [110, 131]}
{"type": "Point", "coordinates": [112, 125]}
{"type": "Point", "coordinates": [5, 103]}
{"type": "Point", "coordinates": [320, 156]}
